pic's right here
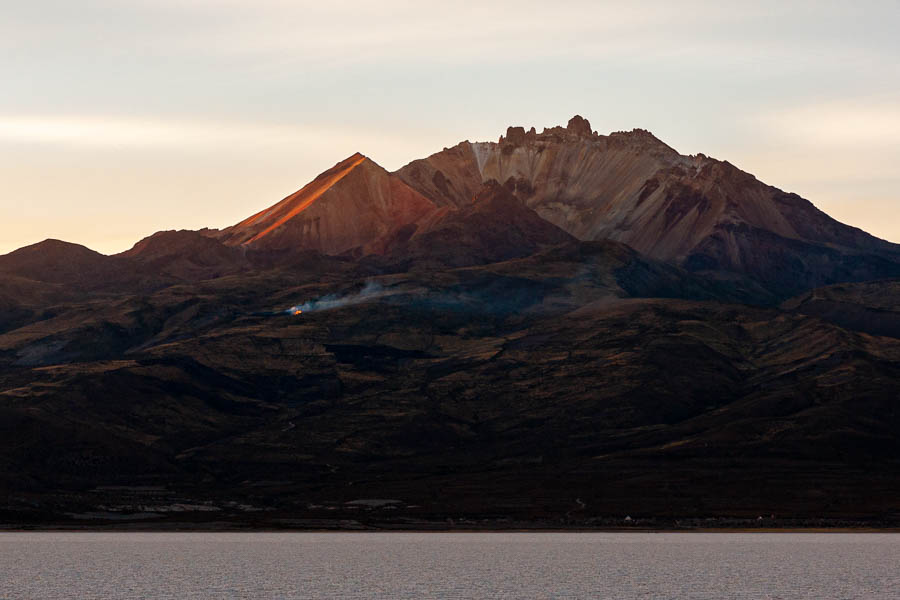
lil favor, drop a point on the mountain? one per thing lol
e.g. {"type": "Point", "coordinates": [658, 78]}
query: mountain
{"type": "Point", "coordinates": [555, 330]}
{"type": "Point", "coordinates": [497, 226]}
{"type": "Point", "coordinates": [188, 255]}
{"type": "Point", "coordinates": [872, 307]}
{"type": "Point", "coordinates": [345, 208]}
{"type": "Point", "coordinates": [694, 211]}
{"type": "Point", "coordinates": [55, 261]}
{"type": "Point", "coordinates": [77, 268]}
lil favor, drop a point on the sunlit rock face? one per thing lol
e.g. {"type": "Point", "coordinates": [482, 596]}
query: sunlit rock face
{"type": "Point", "coordinates": [695, 211]}
{"type": "Point", "coordinates": [345, 208]}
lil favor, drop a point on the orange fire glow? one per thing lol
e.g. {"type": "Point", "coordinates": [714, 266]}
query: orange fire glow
{"type": "Point", "coordinates": [298, 312]}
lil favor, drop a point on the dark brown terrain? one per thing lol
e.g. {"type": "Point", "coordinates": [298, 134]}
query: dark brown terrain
{"type": "Point", "coordinates": [558, 330]}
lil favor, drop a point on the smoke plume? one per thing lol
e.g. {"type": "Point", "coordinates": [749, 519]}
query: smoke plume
{"type": "Point", "coordinates": [370, 291]}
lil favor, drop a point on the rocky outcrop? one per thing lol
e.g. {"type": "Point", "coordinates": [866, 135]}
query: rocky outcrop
{"type": "Point", "coordinates": [579, 126]}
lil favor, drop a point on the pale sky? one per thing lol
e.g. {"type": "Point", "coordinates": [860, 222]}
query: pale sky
{"type": "Point", "coordinates": [119, 118]}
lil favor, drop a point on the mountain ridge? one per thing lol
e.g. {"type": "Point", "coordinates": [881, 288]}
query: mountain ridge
{"type": "Point", "coordinates": [694, 211]}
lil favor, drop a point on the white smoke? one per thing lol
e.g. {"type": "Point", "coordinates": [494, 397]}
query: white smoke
{"type": "Point", "coordinates": [370, 291]}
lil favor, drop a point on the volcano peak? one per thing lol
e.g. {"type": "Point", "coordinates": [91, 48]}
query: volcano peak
{"type": "Point", "coordinates": [348, 206]}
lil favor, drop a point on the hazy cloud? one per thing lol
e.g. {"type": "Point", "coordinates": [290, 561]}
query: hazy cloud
{"type": "Point", "coordinates": [849, 123]}
{"type": "Point", "coordinates": [186, 134]}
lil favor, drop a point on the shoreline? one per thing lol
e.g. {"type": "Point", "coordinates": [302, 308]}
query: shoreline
{"type": "Point", "coordinates": [188, 529]}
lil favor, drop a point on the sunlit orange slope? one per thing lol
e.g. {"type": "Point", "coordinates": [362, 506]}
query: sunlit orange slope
{"type": "Point", "coordinates": [349, 206]}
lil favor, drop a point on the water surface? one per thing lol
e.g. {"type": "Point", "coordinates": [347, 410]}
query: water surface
{"type": "Point", "coordinates": [449, 565]}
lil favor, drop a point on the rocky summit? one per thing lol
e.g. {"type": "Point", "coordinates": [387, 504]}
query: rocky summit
{"type": "Point", "coordinates": [697, 212]}
{"type": "Point", "coordinates": [556, 329]}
